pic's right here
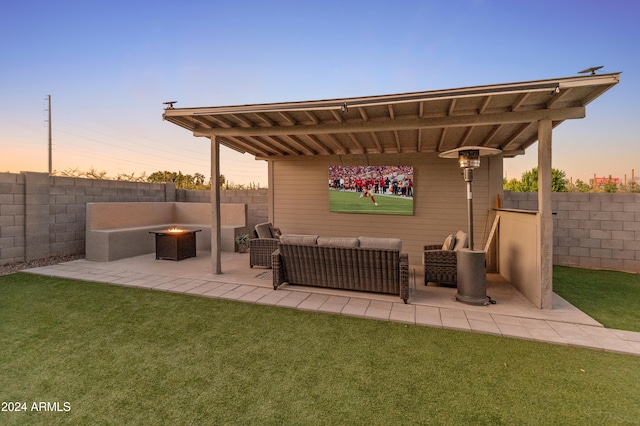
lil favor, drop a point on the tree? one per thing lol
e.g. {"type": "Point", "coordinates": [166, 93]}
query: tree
{"type": "Point", "coordinates": [182, 181]}
{"type": "Point", "coordinates": [580, 186]}
{"type": "Point", "coordinates": [529, 182]}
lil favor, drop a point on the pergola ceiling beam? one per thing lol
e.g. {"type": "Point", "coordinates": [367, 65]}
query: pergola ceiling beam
{"type": "Point", "coordinates": [252, 146]}
{"type": "Point", "coordinates": [297, 143]}
{"type": "Point", "coordinates": [490, 136]}
{"type": "Point", "coordinates": [505, 146]}
{"type": "Point", "coordinates": [336, 142]}
{"type": "Point", "coordinates": [405, 123]}
{"type": "Point", "coordinates": [376, 141]}
{"type": "Point", "coordinates": [314, 139]}
{"type": "Point", "coordinates": [243, 120]}
{"type": "Point", "coordinates": [337, 116]}
{"type": "Point", "coordinates": [287, 118]}
{"type": "Point", "coordinates": [443, 134]}
{"type": "Point", "coordinates": [265, 119]}
{"type": "Point", "coordinates": [466, 135]}
{"type": "Point", "coordinates": [356, 142]}
{"type": "Point", "coordinates": [281, 144]}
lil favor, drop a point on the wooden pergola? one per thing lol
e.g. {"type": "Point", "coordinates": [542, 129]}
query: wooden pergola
{"type": "Point", "coordinates": [510, 117]}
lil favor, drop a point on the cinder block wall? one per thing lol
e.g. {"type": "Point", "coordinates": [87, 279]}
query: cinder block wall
{"type": "Point", "coordinates": [43, 216]}
{"type": "Point", "coordinates": [590, 230]}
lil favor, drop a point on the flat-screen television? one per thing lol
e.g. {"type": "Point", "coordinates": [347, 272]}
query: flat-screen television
{"type": "Point", "coordinates": [371, 189]}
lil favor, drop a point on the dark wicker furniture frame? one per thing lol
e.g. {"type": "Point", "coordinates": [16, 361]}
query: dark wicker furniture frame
{"type": "Point", "coordinates": [440, 266]}
{"type": "Point", "coordinates": [347, 268]}
{"type": "Point", "coordinates": [260, 250]}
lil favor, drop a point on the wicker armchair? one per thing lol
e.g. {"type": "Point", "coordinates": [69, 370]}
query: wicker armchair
{"type": "Point", "coordinates": [441, 265]}
{"type": "Point", "coordinates": [265, 242]}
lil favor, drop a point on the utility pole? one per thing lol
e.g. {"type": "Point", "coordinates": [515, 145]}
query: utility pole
{"type": "Point", "coordinates": [50, 144]}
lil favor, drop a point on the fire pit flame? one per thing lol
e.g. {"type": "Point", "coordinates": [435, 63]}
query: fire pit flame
{"type": "Point", "coordinates": [175, 230]}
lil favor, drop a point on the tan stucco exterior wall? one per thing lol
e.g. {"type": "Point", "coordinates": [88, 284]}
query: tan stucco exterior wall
{"type": "Point", "coordinates": [300, 200]}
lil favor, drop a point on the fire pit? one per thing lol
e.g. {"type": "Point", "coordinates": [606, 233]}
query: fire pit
{"type": "Point", "coordinates": [175, 243]}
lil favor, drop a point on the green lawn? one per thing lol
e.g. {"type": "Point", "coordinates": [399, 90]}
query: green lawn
{"type": "Point", "coordinates": [610, 297]}
{"type": "Point", "coordinates": [123, 355]}
{"type": "Point", "coordinates": [350, 202]}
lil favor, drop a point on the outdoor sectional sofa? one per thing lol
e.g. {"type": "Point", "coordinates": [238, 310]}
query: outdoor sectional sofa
{"type": "Point", "coordinates": [361, 264]}
{"type": "Point", "coordinates": [121, 229]}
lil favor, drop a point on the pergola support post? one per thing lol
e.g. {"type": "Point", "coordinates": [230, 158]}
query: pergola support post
{"type": "Point", "coordinates": [216, 262]}
{"type": "Point", "coordinates": [545, 227]}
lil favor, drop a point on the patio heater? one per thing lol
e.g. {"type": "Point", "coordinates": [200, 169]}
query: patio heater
{"type": "Point", "coordinates": [472, 270]}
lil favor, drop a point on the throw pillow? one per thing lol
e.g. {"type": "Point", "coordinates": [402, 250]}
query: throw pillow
{"type": "Point", "coordinates": [275, 232]}
{"type": "Point", "coordinates": [449, 243]}
{"type": "Point", "coordinates": [461, 241]}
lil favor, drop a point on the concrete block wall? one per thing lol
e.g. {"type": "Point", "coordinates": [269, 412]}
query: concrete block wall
{"type": "Point", "coordinates": [12, 217]}
{"type": "Point", "coordinates": [43, 216]}
{"type": "Point", "coordinates": [591, 230]}
{"type": "Point", "coordinates": [255, 199]}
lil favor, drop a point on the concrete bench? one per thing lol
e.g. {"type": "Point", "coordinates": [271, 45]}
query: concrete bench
{"type": "Point", "coordinates": [120, 230]}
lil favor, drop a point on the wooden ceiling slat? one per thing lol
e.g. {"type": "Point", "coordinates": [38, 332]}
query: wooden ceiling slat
{"type": "Point", "coordinates": [265, 119]}
{"type": "Point", "coordinates": [293, 140]}
{"type": "Point", "coordinates": [341, 148]}
{"type": "Point", "coordinates": [466, 136]}
{"type": "Point", "coordinates": [203, 121]}
{"type": "Point", "coordinates": [452, 106]}
{"type": "Point", "coordinates": [397, 138]}
{"type": "Point", "coordinates": [490, 136]}
{"type": "Point", "coordinates": [287, 118]}
{"type": "Point", "coordinates": [245, 121]}
{"type": "Point", "coordinates": [376, 141]}
{"type": "Point", "coordinates": [484, 105]}
{"type": "Point", "coordinates": [514, 136]}
{"type": "Point", "coordinates": [363, 114]}
{"type": "Point", "coordinates": [220, 120]}
{"type": "Point", "coordinates": [312, 117]}
{"type": "Point", "coordinates": [519, 101]}
{"type": "Point", "coordinates": [322, 147]}
{"type": "Point", "coordinates": [441, 141]}
{"type": "Point", "coordinates": [337, 116]}
{"type": "Point", "coordinates": [356, 142]}
{"type": "Point", "coordinates": [282, 145]}
{"type": "Point", "coordinates": [254, 146]}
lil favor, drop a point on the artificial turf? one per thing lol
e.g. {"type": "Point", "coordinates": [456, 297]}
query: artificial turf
{"type": "Point", "coordinates": [123, 355]}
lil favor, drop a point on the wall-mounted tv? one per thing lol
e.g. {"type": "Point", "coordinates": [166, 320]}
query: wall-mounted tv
{"type": "Point", "coordinates": [371, 189]}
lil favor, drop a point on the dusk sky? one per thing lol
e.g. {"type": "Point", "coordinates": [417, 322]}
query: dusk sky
{"type": "Point", "coordinates": [109, 66]}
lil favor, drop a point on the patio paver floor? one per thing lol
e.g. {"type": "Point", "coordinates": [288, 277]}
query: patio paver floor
{"type": "Point", "coordinates": [512, 316]}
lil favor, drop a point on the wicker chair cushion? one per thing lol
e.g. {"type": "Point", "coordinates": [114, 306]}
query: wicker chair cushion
{"type": "Point", "coordinates": [449, 243]}
{"type": "Point", "coordinates": [264, 230]}
{"type": "Point", "coordinates": [275, 232]}
{"type": "Point", "coordinates": [298, 239]}
{"type": "Point", "coordinates": [381, 243]}
{"type": "Point", "coordinates": [338, 242]}
{"type": "Point", "coordinates": [461, 240]}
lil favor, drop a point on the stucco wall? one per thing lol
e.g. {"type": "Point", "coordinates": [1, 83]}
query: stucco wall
{"type": "Point", "coordinates": [590, 230]}
{"type": "Point", "coordinates": [301, 201]}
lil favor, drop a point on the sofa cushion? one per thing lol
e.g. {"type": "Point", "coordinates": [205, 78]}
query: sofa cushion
{"type": "Point", "coordinates": [449, 243]}
{"type": "Point", "coordinates": [338, 242]}
{"type": "Point", "coordinates": [381, 243]}
{"type": "Point", "coordinates": [264, 230]}
{"type": "Point", "coordinates": [461, 241]}
{"type": "Point", "coordinates": [298, 239]}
